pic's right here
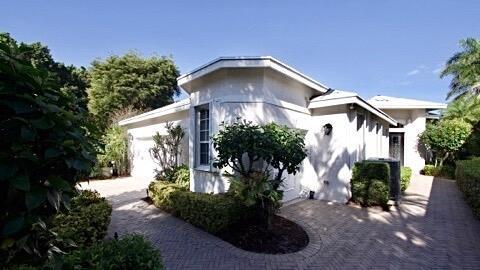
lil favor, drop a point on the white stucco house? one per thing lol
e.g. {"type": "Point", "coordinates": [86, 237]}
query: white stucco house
{"type": "Point", "coordinates": [264, 90]}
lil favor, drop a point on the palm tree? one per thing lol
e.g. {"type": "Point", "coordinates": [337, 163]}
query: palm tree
{"type": "Point", "coordinates": [466, 108]}
{"type": "Point", "coordinates": [464, 66]}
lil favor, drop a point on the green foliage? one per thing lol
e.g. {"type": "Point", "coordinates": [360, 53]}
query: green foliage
{"type": "Point", "coordinates": [467, 175]}
{"type": "Point", "coordinates": [130, 80]}
{"type": "Point", "coordinates": [443, 171]}
{"type": "Point", "coordinates": [129, 252]}
{"type": "Point", "coordinates": [72, 80]}
{"type": "Point", "coordinates": [214, 213]}
{"type": "Point", "coordinates": [431, 170]}
{"type": "Point", "coordinates": [115, 150]}
{"type": "Point", "coordinates": [378, 193]}
{"type": "Point", "coordinates": [87, 221]}
{"type": "Point", "coordinates": [446, 137]}
{"type": "Point", "coordinates": [243, 144]}
{"type": "Point", "coordinates": [179, 175]}
{"type": "Point", "coordinates": [45, 150]}
{"type": "Point", "coordinates": [465, 68]}
{"type": "Point", "coordinates": [405, 175]}
{"type": "Point", "coordinates": [370, 183]}
{"type": "Point", "coordinates": [466, 108]}
{"type": "Point", "coordinates": [167, 150]}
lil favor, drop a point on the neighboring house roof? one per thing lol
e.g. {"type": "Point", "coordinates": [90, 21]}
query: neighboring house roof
{"type": "Point", "coordinates": [337, 97]}
{"type": "Point", "coordinates": [178, 106]}
{"type": "Point", "coordinates": [386, 102]}
{"type": "Point", "coordinates": [249, 62]}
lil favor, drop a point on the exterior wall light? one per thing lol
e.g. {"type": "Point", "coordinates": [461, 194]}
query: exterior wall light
{"type": "Point", "coordinates": [327, 129]}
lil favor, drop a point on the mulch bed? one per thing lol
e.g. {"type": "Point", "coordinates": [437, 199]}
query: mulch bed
{"type": "Point", "coordinates": [284, 237]}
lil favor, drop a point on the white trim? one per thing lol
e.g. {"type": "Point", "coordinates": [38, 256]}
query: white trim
{"type": "Point", "coordinates": [249, 62]}
{"type": "Point", "coordinates": [351, 100]}
{"type": "Point", "coordinates": [179, 106]}
{"type": "Point", "coordinates": [426, 106]}
{"type": "Point", "coordinates": [396, 130]}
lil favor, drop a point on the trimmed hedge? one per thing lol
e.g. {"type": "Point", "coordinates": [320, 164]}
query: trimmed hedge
{"type": "Point", "coordinates": [86, 222]}
{"type": "Point", "coordinates": [371, 183]}
{"type": "Point", "coordinates": [468, 181]}
{"type": "Point", "coordinates": [405, 176]}
{"type": "Point", "coordinates": [129, 252]}
{"type": "Point", "coordinates": [445, 171]}
{"type": "Point", "coordinates": [213, 213]}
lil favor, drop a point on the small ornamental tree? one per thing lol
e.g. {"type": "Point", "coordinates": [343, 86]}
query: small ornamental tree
{"type": "Point", "coordinates": [167, 149]}
{"type": "Point", "coordinates": [253, 152]}
{"type": "Point", "coordinates": [446, 137]}
{"type": "Point", "coordinates": [44, 153]}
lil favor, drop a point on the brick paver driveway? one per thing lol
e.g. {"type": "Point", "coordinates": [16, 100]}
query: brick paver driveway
{"type": "Point", "coordinates": [432, 229]}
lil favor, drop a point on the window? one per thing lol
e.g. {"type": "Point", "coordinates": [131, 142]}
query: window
{"type": "Point", "coordinates": [203, 136]}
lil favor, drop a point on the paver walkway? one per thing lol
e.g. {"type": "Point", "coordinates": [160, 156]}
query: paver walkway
{"type": "Point", "coordinates": [432, 229]}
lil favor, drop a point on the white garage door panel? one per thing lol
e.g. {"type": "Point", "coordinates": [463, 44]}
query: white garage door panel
{"type": "Point", "coordinates": [143, 164]}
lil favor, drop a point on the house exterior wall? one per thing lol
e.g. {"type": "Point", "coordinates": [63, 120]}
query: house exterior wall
{"type": "Point", "coordinates": [261, 96]}
{"type": "Point", "coordinates": [414, 122]}
{"type": "Point", "coordinates": [140, 140]}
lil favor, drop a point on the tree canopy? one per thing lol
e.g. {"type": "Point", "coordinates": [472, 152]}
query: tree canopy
{"type": "Point", "coordinates": [131, 80]}
{"type": "Point", "coordinates": [446, 137]}
{"type": "Point", "coordinates": [466, 108]}
{"type": "Point", "coordinates": [72, 80]}
{"type": "Point", "coordinates": [464, 66]}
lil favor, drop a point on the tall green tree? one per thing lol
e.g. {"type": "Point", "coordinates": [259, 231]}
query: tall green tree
{"type": "Point", "coordinates": [466, 108]}
{"type": "Point", "coordinates": [130, 80]}
{"type": "Point", "coordinates": [464, 66]}
{"type": "Point", "coordinates": [71, 80]}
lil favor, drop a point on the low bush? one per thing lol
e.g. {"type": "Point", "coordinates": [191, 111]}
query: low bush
{"type": "Point", "coordinates": [129, 252]}
{"type": "Point", "coordinates": [86, 222]}
{"type": "Point", "coordinates": [378, 193]}
{"type": "Point", "coordinates": [468, 181]}
{"type": "Point", "coordinates": [405, 175]}
{"type": "Point", "coordinates": [212, 212]}
{"type": "Point", "coordinates": [370, 183]}
{"type": "Point", "coordinates": [444, 171]}
{"type": "Point", "coordinates": [179, 175]}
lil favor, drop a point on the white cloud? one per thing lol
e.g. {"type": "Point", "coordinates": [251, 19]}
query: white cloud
{"type": "Point", "coordinates": [413, 72]}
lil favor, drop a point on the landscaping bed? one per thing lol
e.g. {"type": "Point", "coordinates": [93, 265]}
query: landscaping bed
{"type": "Point", "coordinates": [227, 218]}
{"type": "Point", "coordinates": [285, 236]}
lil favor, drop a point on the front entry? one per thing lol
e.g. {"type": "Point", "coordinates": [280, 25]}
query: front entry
{"type": "Point", "coordinates": [396, 146]}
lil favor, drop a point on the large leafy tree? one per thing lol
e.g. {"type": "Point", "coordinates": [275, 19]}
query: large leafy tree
{"type": "Point", "coordinates": [72, 80]}
{"type": "Point", "coordinates": [446, 137]}
{"type": "Point", "coordinates": [130, 80]}
{"type": "Point", "coordinates": [44, 151]}
{"type": "Point", "coordinates": [464, 66]}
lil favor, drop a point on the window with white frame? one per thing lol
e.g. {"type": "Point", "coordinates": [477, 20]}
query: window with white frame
{"type": "Point", "coordinates": [203, 136]}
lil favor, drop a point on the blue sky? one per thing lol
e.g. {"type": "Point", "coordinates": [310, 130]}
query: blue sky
{"type": "Point", "coordinates": [371, 47]}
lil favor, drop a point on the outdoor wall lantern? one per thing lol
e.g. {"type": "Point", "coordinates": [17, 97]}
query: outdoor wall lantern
{"type": "Point", "coordinates": [327, 129]}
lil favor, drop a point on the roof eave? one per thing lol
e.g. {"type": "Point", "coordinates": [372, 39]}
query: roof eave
{"type": "Point", "coordinates": [248, 62]}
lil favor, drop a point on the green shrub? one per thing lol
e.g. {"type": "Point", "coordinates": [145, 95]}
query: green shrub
{"type": "Point", "coordinates": [369, 170]}
{"type": "Point", "coordinates": [182, 176]}
{"type": "Point", "coordinates": [179, 175]}
{"type": "Point", "coordinates": [444, 171]}
{"type": "Point", "coordinates": [129, 252]}
{"type": "Point", "coordinates": [468, 181]}
{"type": "Point", "coordinates": [45, 150]}
{"type": "Point", "coordinates": [86, 222]}
{"type": "Point", "coordinates": [378, 193]}
{"type": "Point", "coordinates": [430, 170]}
{"type": "Point", "coordinates": [212, 212]}
{"type": "Point", "coordinates": [161, 193]}
{"type": "Point", "coordinates": [405, 175]}
{"type": "Point", "coordinates": [370, 183]}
